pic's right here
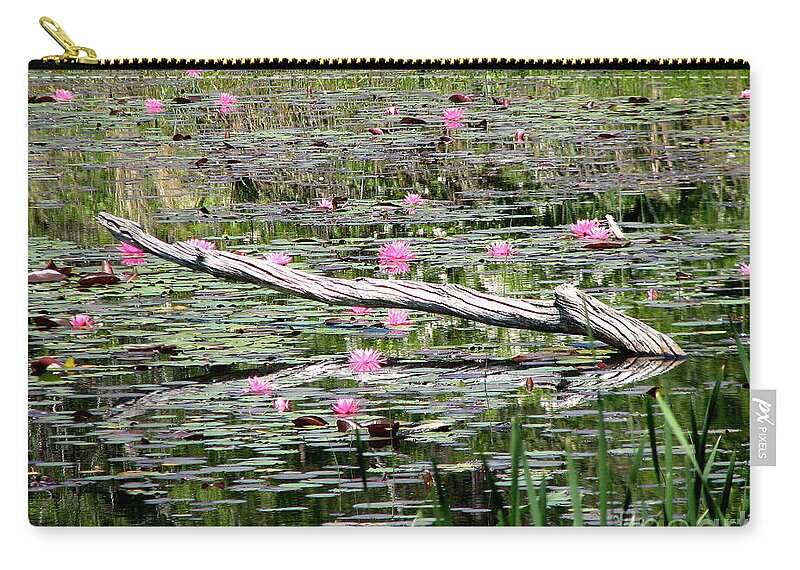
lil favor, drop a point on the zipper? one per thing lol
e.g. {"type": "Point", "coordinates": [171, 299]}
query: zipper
{"type": "Point", "coordinates": [72, 52]}
{"type": "Point", "coordinates": [79, 57]}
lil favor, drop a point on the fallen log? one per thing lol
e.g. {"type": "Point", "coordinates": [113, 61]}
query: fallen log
{"type": "Point", "coordinates": [570, 312]}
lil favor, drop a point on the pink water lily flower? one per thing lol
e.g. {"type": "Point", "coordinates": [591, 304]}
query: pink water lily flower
{"type": "Point", "coordinates": [81, 322]}
{"type": "Point", "coordinates": [131, 255]}
{"type": "Point", "coordinates": [133, 259]}
{"type": "Point", "coordinates": [360, 311]}
{"type": "Point", "coordinates": [652, 294]}
{"type": "Point", "coordinates": [393, 257]}
{"type": "Point", "coordinates": [412, 199]}
{"type": "Point", "coordinates": [63, 95]}
{"type": "Point", "coordinates": [281, 404]}
{"type": "Point", "coordinates": [452, 117]}
{"type": "Point", "coordinates": [598, 233]}
{"type": "Point", "coordinates": [396, 268]}
{"type": "Point", "coordinates": [519, 135]}
{"type": "Point", "coordinates": [154, 106]}
{"type": "Point", "coordinates": [744, 269]}
{"type": "Point", "coordinates": [366, 360]}
{"type": "Point", "coordinates": [346, 406]}
{"type": "Point", "coordinates": [194, 72]}
{"type": "Point", "coordinates": [392, 111]}
{"type": "Point", "coordinates": [501, 249]}
{"type": "Point", "coordinates": [453, 114]}
{"type": "Point", "coordinates": [201, 243]}
{"type": "Point", "coordinates": [746, 94]}
{"type": "Point", "coordinates": [260, 385]}
{"type": "Point", "coordinates": [129, 248]}
{"type": "Point", "coordinates": [226, 101]}
{"type": "Point", "coordinates": [325, 203]}
{"type": "Point", "coordinates": [583, 227]}
{"type": "Point", "coordinates": [280, 258]}
{"type": "Point", "coordinates": [397, 317]}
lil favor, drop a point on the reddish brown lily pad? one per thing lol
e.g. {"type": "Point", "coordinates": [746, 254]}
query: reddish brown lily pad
{"type": "Point", "coordinates": [84, 416]}
{"type": "Point", "coordinates": [346, 424]}
{"type": "Point", "coordinates": [381, 427]}
{"type": "Point", "coordinates": [43, 321]}
{"type": "Point", "coordinates": [606, 244]}
{"type": "Point", "coordinates": [63, 270]}
{"type": "Point", "coordinates": [482, 124]}
{"type": "Point", "coordinates": [460, 98]}
{"type": "Point", "coordinates": [734, 117]}
{"type": "Point", "coordinates": [160, 348]}
{"type": "Point", "coordinates": [309, 421]}
{"type": "Point", "coordinates": [39, 367]}
{"type": "Point", "coordinates": [45, 276]}
{"type": "Point", "coordinates": [99, 278]}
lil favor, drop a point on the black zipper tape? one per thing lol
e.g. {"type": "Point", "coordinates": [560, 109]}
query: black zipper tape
{"type": "Point", "coordinates": [381, 63]}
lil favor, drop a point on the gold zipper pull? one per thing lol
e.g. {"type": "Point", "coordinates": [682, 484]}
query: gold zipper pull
{"type": "Point", "coordinates": [72, 52]}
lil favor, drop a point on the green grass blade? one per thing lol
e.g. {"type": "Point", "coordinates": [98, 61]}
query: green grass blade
{"type": "Point", "coordinates": [495, 498]}
{"type": "Point", "coordinates": [693, 498]}
{"type": "Point", "coordinates": [441, 506]}
{"type": "Point", "coordinates": [362, 460]}
{"type": "Point", "coordinates": [651, 429]}
{"type": "Point", "coordinates": [534, 504]}
{"type": "Point", "coordinates": [726, 490]}
{"type": "Point", "coordinates": [744, 357]}
{"type": "Point", "coordinates": [669, 472]}
{"type": "Point", "coordinates": [711, 457]}
{"type": "Point", "coordinates": [669, 417]}
{"type": "Point", "coordinates": [575, 491]}
{"type": "Point", "coordinates": [602, 464]}
{"type": "Point", "coordinates": [703, 461]}
{"type": "Point", "coordinates": [543, 502]}
{"type": "Point", "coordinates": [517, 455]}
{"type": "Point", "coordinates": [711, 408]}
{"type": "Point", "coordinates": [744, 512]}
{"type": "Point", "coordinates": [634, 477]}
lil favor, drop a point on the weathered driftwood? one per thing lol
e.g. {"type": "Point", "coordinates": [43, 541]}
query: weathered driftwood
{"type": "Point", "coordinates": [567, 313]}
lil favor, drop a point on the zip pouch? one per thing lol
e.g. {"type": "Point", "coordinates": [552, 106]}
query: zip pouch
{"type": "Point", "coordinates": [388, 292]}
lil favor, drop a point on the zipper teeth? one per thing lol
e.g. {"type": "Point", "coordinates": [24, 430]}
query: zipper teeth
{"type": "Point", "coordinates": [365, 62]}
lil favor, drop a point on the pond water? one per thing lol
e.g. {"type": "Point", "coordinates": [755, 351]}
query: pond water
{"type": "Point", "coordinates": [133, 436]}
